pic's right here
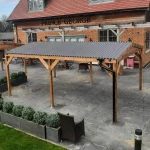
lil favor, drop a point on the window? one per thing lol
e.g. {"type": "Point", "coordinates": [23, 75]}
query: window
{"type": "Point", "coordinates": [74, 38]}
{"type": "Point", "coordinates": [32, 37]}
{"type": "Point", "coordinates": [107, 36]}
{"type": "Point", "coordinates": [99, 1]}
{"type": "Point", "coordinates": [37, 5]}
{"type": "Point", "coordinates": [147, 41]}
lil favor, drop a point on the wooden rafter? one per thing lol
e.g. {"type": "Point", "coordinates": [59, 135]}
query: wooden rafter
{"type": "Point", "coordinates": [44, 63]}
{"type": "Point", "coordinates": [9, 60]}
{"type": "Point", "coordinates": [54, 64]}
{"type": "Point", "coordinates": [109, 73]}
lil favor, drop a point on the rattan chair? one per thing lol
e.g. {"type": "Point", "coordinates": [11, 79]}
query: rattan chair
{"type": "Point", "coordinates": [71, 130]}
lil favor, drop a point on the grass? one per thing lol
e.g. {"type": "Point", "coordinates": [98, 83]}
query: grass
{"type": "Point", "coordinates": [11, 139]}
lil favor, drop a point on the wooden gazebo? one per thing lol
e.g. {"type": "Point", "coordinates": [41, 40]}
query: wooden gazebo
{"type": "Point", "coordinates": [102, 52]}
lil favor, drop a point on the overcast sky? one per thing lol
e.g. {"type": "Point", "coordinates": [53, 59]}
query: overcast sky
{"type": "Point", "coordinates": [7, 6]}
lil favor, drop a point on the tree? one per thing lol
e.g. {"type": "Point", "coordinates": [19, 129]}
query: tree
{"type": "Point", "coordinates": [4, 25]}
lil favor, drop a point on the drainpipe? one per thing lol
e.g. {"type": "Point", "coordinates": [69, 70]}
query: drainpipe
{"type": "Point", "coordinates": [114, 86]}
{"type": "Point", "coordinates": [16, 32]}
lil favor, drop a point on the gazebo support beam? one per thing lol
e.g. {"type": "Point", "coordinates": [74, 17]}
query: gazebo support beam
{"type": "Point", "coordinates": [115, 87]}
{"type": "Point", "coordinates": [2, 65]}
{"type": "Point", "coordinates": [55, 72]}
{"type": "Point", "coordinates": [8, 75]}
{"type": "Point", "coordinates": [115, 93]}
{"type": "Point", "coordinates": [141, 74]}
{"type": "Point", "coordinates": [25, 66]}
{"type": "Point", "coordinates": [91, 73]}
{"type": "Point", "coordinates": [51, 83]}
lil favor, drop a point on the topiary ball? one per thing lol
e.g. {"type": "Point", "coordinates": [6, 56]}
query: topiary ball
{"type": "Point", "coordinates": [53, 121]}
{"type": "Point", "coordinates": [14, 76]}
{"type": "Point", "coordinates": [3, 80]}
{"type": "Point", "coordinates": [40, 118]}
{"type": "Point", "coordinates": [28, 113]}
{"type": "Point", "coordinates": [21, 74]}
{"type": "Point", "coordinates": [8, 107]}
{"type": "Point", "coordinates": [17, 110]}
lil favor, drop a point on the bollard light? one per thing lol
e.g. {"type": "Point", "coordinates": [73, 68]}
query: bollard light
{"type": "Point", "coordinates": [138, 139]}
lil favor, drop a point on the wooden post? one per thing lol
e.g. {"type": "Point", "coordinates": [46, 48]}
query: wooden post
{"type": "Point", "coordinates": [2, 65]}
{"type": "Point", "coordinates": [55, 72]}
{"type": "Point", "coordinates": [115, 94]}
{"type": "Point", "coordinates": [91, 72]}
{"type": "Point", "coordinates": [8, 76]}
{"type": "Point", "coordinates": [141, 74]}
{"type": "Point", "coordinates": [25, 66]}
{"type": "Point", "coordinates": [51, 83]}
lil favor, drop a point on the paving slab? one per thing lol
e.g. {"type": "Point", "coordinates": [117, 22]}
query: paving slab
{"type": "Point", "coordinates": [74, 94]}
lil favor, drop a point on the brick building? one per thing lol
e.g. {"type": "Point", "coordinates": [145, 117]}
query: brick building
{"type": "Point", "coordinates": [82, 20]}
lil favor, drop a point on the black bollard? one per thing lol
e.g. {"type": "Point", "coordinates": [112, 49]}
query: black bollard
{"type": "Point", "coordinates": [138, 139]}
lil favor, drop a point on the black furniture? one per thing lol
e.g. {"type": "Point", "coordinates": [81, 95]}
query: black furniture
{"type": "Point", "coordinates": [71, 130]}
{"type": "Point", "coordinates": [83, 66]}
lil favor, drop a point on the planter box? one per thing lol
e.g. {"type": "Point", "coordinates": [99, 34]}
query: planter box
{"type": "Point", "coordinates": [53, 134]}
{"type": "Point", "coordinates": [3, 87]}
{"type": "Point", "coordinates": [10, 120]}
{"type": "Point", "coordinates": [32, 128]}
{"type": "Point", "coordinates": [18, 81]}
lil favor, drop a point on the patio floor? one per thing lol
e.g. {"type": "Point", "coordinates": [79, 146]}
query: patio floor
{"type": "Point", "coordinates": [74, 94]}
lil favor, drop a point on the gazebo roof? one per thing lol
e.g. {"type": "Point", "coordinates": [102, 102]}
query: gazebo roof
{"type": "Point", "coordinates": [98, 50]}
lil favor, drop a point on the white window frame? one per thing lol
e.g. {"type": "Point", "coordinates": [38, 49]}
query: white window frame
{"type": "Point", "coordinates": [147, 41]}
{"type": "Point", "coordinates": [92, 2]}
{"type": "Point", "coordinates": [69, 37]}
{"type": "Point", "coordinates": [33, 5]}
{"type": "Point", "coordinates": [30, 33]}
{"type": "Point", "coordinates": [107, 35]}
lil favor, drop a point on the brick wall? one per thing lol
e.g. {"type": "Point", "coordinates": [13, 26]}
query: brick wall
{"type": "Point", "coordinates": [137, 35]}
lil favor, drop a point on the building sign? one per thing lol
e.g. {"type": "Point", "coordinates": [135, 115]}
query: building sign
{"type": "Point", "coordinates": [69, 20]}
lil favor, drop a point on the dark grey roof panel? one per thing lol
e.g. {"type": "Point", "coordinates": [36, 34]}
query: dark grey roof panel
{"type": "Point", "coordinates": [6, 35]}
{"type": "Point", "coordinates": [110, 50]}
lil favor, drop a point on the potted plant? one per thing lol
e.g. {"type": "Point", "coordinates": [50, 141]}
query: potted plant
{"type": "Point", "coordinates": [53, 128]}
{"type": "Point", "coordinates": [18, 78]}
{"type": "Point", "coordinates": [7, 117]}
{"type": "Point", "coordinates": [3, 84]}
{"type": "Point", "coordinates": [39, 120]}
{"type": "Point", "coordinates": [26, 123]}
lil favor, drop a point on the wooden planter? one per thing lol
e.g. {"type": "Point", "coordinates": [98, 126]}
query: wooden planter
{"type": "Point", "coordinates": [3, 87]}
{"type": "Point", "coordinates": [53, 134]}
{"type": "Point", "coordinates": [18, 81]}
{"type": "Point", "coordinates": [32, 128]}
{"type": "Point", "coordinates": [10, 120]}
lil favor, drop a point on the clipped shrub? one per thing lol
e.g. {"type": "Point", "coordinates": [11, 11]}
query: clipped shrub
{"type": "Point", "coordinates": [17, 110]}
{"type": "Point", "coordinates": [21, 74]}
{"type": "Point", "coordinates": [8, 107]}
{"type": "Point", "coordinates": [14, 76]}
{"type": "Point", "coordinates": [28, 113]}
{"type": "Point", "coordinates": [3, 80]}
{"type": "Point", "coordinates": [40, 118]}
{"type": "Point", "coordinates": [53, 121]}
{"type": "Point", "coordinates": [1, 101]}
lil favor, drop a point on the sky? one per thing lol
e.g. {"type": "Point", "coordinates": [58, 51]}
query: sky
{"type": "Point", "coordinates": [7, 6]}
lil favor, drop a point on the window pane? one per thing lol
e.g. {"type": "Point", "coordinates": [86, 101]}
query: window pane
{"type": "Point", "coordinates": [80, 39]}
{"type": "Point", "coordinates": [58, 40]}
{"type": "Point", "coordinates": [73, 39]}
{"type": "Point", "coordinates": [51, 40]}
{"type": "Point", "coordinates": [66, 39]}
{"type": "Point", "coordinates": [30, 5]}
